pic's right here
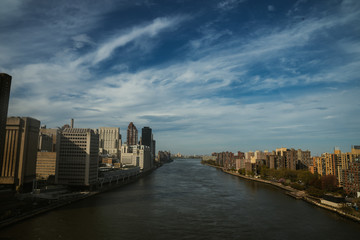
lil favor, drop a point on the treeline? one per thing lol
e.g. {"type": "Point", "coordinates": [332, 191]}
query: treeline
{"type": "Point", "coordinates": [210, 162]}
{"type": "Point", "coordinates": [314, 184]}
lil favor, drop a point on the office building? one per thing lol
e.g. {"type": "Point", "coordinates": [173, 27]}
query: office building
{"type": "Point", "coordinates": [132, 135]}
{"type": "Point", "coordinates": [46, 165]}
{"type": "Point", "coordinates": [77, 163]}
{"type": "Point", "coordinates": [146, 136]}
{"type": "Point", "coordinates": [5, 83]}
{"type": "Point", "coordinates": [136, 156]}
{"type": "Point", "coordinates": [53, 133]}
{"type": "Point", "coordinates": [47, 155]}
{"type": "Point", "coordinates": [147, 140]}
{"type": "Point", "coordinates": [110, 141]}
{"type": "Point", "coordinates": [18, 168]}
{"type": "Point", "coordinates": [45, 143]}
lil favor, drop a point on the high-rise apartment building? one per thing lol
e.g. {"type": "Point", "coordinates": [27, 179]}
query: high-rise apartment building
{"type": "Point", "coordinates": [355, 149]}
{"type": "Point", "coordinates": [19, 163]}
{"type": "Point", "coordinates": [5, 83]}
{"type": "Point", "coordinates": [132, 135]}
{"type": "Point", "coordinates": [77, 163]}
{"type": "Point", "coordinates": [110, 141]}
{"type": "Point", "coordinates": [351, 178]}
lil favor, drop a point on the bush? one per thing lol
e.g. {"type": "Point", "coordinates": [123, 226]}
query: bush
{"type": "Point", "coordinates": [315, 192]}
{"type": "Point", "coordinates": [297, 186]}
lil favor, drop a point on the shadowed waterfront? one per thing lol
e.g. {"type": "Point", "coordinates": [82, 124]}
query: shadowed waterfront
{"type": "Point", "coordinates": [186, 200]}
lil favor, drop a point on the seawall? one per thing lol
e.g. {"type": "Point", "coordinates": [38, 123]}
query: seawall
{"type": "Point", "coordinates": [294, 193]}
{"type": "Point", "coordinates": [64, 202]}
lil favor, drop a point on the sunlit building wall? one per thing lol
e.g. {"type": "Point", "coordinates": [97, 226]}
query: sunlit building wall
{"type": "Point", "coordinates": [18, 168]}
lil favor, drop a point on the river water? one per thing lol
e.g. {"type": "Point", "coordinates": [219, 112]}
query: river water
{"type": "Point", "coordinates": [187, 200]}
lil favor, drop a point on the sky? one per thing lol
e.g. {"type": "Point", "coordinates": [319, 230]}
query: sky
{"type": "Point", "coordinates": [206, 76]}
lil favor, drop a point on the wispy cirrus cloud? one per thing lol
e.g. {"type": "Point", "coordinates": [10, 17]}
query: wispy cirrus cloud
{"type": "Point", "coordinates": [229, 4]}
{"type": "Point", "coordinates": [272, 86]}
{"type": "Point", "coordinates": [149, 30]}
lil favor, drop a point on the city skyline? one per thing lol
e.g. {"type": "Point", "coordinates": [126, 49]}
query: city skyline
{"type": "Point", "coordinates": [205, 75]}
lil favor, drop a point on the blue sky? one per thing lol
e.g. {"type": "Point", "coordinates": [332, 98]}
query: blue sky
{"type": "Point", "coordinates": [206, 76]}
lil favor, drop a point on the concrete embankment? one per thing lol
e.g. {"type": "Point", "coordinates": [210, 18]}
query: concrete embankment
{"type": "Point", "coordinates": [294, 193]}
{"type": "Point", "coordinates": [64, 202]}
{"type": "Point", "coordinates": [41, 210]}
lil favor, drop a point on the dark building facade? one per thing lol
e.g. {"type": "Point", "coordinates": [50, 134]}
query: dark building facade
{"type": "Point", "coordinates": [146, 136]}
{"type": "Point", "coordinates": [78, 152]}
{"type": "Point", "coordinates": [147, 140]}
{"type": "Point", "coordinates": [226, 160]}
{"type": "Point", "coordinates": [132, 135]}
{"type": "Point", "coordinates": [351, 178]}
{"type": "Point", "coordinates": [5, 84]}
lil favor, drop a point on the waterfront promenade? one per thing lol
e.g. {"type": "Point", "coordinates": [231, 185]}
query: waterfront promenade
{"type": "Point", "coordinates": [297, 194]}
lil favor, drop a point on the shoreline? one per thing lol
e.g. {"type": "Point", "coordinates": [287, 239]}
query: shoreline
{"type": "Point", "coordinates": [297, 194]}
{"type": "Point", "coordinates": [61, 203]}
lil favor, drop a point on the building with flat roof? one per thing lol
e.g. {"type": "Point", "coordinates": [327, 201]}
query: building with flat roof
{"type": "Point", "coordinates": [351, 178]}
{"type": "Point", "coordinates": [5, 84]}
{"type": "Point", "coordinates": [18, 168]}
{"type": "Point", "coordinates": [137, 156]}
{"type": "Point", "coordinates": [77, 163]}
{"type": "Point", "coordinates": [51, 132]}
{"type": "Point", "coordinates": [355, 149]}
{"type": "Point", "coordinates": [110, 141]}
{"type": "Point", "coordinates": [45, 165]}
{"type": "Point", "coordinates": [147, 139]}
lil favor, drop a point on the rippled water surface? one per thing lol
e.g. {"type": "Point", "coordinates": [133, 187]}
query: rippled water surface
{"type": "Point", "coordinates": [187, 200]}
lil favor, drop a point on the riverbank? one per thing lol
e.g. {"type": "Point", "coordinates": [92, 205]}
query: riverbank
{"type": "Point", "coordinates": [297, 194]}
{"type": "Point", "coordinates": [64, 202]}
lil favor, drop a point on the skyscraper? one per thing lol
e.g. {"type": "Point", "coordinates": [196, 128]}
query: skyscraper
{"type": "Point", "coordinates": [19, 165]}
{"type": "Point", "coordinates": [147, 140]}
{"type": "Point", "coordinates": [132, 135]}
{"type": "Point", "coordinates": [5, 83]}
{"type": "Point", "coordinates": [146, 136]}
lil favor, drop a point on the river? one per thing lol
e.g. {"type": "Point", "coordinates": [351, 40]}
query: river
{"type": "Point", "coordinates": [187, 200]}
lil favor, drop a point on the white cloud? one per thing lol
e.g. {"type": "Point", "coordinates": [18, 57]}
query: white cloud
{"type": "Point", "coordinates": [229, 4]}
{"type": "Point", "coordinates": [206, 91]}
{"type": "Point", "coordinates": [106, 49]}
{"type": "Point", "coordinates": [81, 40]}
{"type": "Point", "coordinates": [150, 30]}
{"type": "Point", "coordinates": [271, 8]}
